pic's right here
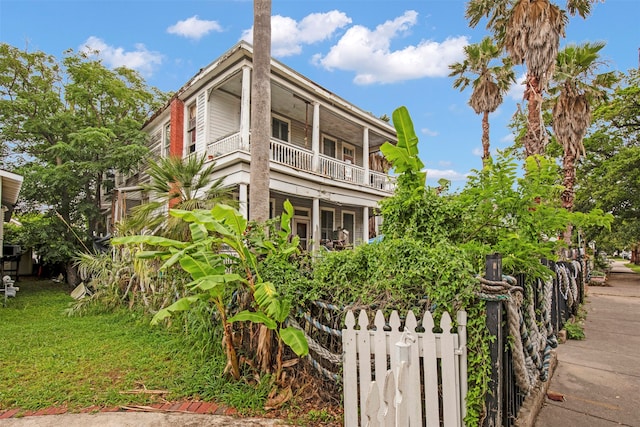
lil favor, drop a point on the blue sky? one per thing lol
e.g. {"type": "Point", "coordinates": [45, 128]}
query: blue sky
{"type": "Point", "coordinates": [377, 54]}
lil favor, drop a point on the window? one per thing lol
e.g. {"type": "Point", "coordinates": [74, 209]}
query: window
{"type": "Point", "coordinates": [326, 224]}
{"type": "Point", "coordinates": [166, 147]}
{"type": "Point", "coordinates": [329, 147]}
{"type": "Point", "coordinates": [280, 129]}
{"type": "Point", "coordinates": [191, 129]}
{"type": "Point", "coordinates": [348, 156]}
{"type": "Point", "coordinates": [348, 153]}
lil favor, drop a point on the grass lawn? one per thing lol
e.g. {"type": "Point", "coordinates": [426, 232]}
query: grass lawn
{"type": "Point", "coordinates": [634, 267]}
{"type": "Point", "coordinates": [50, 359]}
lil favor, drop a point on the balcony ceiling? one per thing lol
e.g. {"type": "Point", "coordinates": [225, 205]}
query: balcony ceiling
{"type": "Point", "coordinates": [291, 106]}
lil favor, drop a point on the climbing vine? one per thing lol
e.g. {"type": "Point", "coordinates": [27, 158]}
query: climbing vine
{"type": "Point", "coordinates": [435, 243]}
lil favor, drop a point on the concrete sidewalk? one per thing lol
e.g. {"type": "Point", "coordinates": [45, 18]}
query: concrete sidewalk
{"type": "Point", "coordinates": [137, 419]}
{"type": "Point", "coordinates": [600, 376]}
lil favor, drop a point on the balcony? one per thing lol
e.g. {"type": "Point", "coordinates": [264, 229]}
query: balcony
{"type": "Point", "coordinates": [301, 159]}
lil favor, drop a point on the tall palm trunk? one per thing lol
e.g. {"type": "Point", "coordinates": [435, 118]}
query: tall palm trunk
{"type": "Point", "coordinates": [534, 141]}
{"type": "Point", "coordinates": [485, 138]}
{"type": "Point", "coordinates": [260, 112]}
{"type": "Point", "coordinates": [568, 194]}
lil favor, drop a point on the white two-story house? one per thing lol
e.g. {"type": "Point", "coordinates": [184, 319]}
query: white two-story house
{"type": "Point", "coordinates": [324, 151]}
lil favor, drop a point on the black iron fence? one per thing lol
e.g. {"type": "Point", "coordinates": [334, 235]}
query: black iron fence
{"type": "Point", "coordinates": [520, 351]}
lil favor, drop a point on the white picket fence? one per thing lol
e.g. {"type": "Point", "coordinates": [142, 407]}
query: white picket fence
{"type": "Point", "coordinates": [384, 371]}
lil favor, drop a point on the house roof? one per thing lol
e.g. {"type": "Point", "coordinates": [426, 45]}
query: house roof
{"type": "Point", "coordinates": [242, 50]}
{"type": "Point", "coordinates": [11, 184]}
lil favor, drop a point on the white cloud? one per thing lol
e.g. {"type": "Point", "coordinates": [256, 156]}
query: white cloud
{"type": "Point", "coordinates": [429, 132]}
{"type": "Point", "coordinates": [508, 138]}
{"type": "Point", "coordinates": [368, 53]}
{"type": "Point", "coordinates": [194, 28]}
{"type": "Point", "coordinates": [450, 174]}
{"type": "Point", "coordinates": [288, 36]}
{"type": "Point", "coordinates": [516, 91]}
{"type": "Point", "coordinates": [444, 163]}
{"type": "Point", "coordinates": [140, 59]}
{"type": "Point", "coordinates": [477, 152]}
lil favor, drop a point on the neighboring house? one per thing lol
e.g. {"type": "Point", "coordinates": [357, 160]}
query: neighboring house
{"type": "Point", "coordinates": [324, 151]}
{"type": "Point", "coordinates": [10, 185]}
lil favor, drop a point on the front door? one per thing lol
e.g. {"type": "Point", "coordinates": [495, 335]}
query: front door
{"type": "Point", "coordinates": [301, 229]}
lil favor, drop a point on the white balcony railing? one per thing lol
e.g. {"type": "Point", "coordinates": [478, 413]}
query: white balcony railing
{"type": "Point", "coordinates": [302, 159]}
{"type": "Point", "coordinates": [382, 181]}
{"type": "Point", "coordinates": [290, 155]}
{"type": "Point", "coordinates": [225, 145]}
{"type": "Point", "coordinates": [340, 170]}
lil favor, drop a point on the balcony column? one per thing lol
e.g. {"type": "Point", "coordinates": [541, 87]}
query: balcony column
{"type": "Point", "coordinates": [365, 225]}
{"type": "Point", "coordinates": [365, 156]}
{"type": "Point", "coordinates": [242, 198]}
{"type": "Point", "coordinates": [245, 108]}
{"type": "Point", "coordinates": [315, 137]}
{"type": "Point", "coordinates": [315, 225]}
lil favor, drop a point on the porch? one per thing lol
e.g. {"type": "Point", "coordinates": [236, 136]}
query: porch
{"type": "Point", "coordinates": [317, 165]}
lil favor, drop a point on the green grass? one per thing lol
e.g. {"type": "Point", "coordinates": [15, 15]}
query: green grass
{"type": "Point", "coordinates": [634, 267]}
{"type": "Point", "coordinates": [50, 359]}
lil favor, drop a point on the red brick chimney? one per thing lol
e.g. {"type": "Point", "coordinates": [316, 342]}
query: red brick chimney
{"type": "Point", "coordinates": [177, 128]}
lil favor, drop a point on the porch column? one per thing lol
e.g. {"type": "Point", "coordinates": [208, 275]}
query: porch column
{"type": "Point", "coordinates": [365, 155]}
{"type": "Point", "coordinates": [315, 225]}
{"type": "Point", "coordinates": [245, 108]}
{"type": "Point", "coordinates": [242, 196]}
{"type": "Point", "coordinates": [315, 137]}
{"type": "Point", "coordinates": [365, 224]}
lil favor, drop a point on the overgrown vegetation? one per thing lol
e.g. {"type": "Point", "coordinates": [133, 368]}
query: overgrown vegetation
{"type": "Point", "coordinates": [433, 247]}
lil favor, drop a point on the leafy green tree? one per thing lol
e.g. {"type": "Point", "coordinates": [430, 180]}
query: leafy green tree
{"type": "Point", "coordinates": [70, 124]}
{"type": "Point", "coordinates": [610, 172]}
{"type": "Point", "coordinates": [491, 83]}
{"type": "Point", "coordinates": [180, 183]}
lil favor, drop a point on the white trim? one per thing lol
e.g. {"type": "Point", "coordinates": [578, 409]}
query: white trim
{"type": "Point", "coordinates": [307, 210]}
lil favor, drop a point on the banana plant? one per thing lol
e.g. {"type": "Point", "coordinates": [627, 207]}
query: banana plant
{"type": "Point", "coordinates": [222, 225]}
{"type": "Point", "coordinates": [404, 155]}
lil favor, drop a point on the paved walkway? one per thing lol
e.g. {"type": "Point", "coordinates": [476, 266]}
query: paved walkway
{"type": "Point", "coordinates": [599, 377]}
{"type": "Point", "coordinates": [178, 414]}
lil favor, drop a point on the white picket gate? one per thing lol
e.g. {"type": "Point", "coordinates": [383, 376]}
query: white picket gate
{"type": "Point", "coordinates": [404, 362]}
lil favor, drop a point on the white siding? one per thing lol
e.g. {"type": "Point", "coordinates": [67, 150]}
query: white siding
{"type": "Point", "coordinates": [155, 142]}
{"type": "Point", "coordinates": [224, 115]}
{"type": "Point", "coordinates": [201, 140]}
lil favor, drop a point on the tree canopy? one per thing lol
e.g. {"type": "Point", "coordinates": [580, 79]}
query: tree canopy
{"type": "Point", "coordinates": [69, 125]}
{"type": "Point", "coordinates": [609, 176]}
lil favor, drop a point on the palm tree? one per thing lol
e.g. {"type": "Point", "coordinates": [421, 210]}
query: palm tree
{"type": "Point", "coordinates": [182, 184]}
{"type": "Point", "coordinates": [260, 112]}
{"type": "Point", "coordinates": [576, 86]}
{"type": "Point", "coordinates": [530, 31]}
{"type": "Point", "coordinates": [490, 85]}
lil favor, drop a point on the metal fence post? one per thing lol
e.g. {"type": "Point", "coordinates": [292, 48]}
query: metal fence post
{"type": "Point", "coordinates": [494, 403]}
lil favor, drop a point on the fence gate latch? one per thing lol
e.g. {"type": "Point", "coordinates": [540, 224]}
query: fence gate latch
{"type": "Point", "coordinates": [403, 346]}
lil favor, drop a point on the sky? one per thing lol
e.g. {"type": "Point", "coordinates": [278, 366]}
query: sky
{"type": "Point", "coordinates": [376, 54]}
